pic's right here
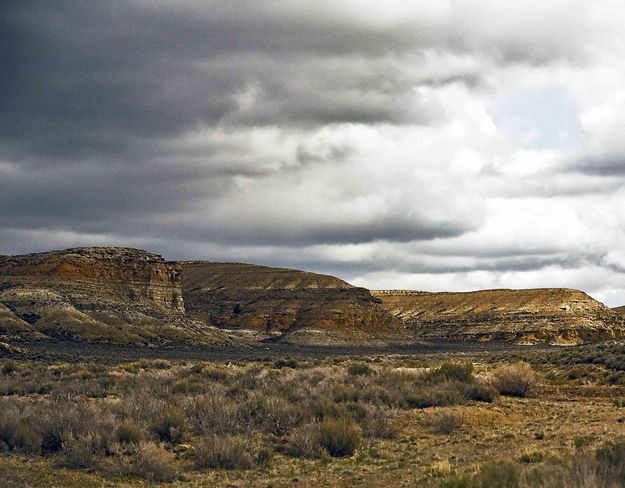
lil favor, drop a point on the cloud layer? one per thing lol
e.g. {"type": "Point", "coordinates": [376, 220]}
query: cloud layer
{"type": "Point", "coordinates": [442, 145]}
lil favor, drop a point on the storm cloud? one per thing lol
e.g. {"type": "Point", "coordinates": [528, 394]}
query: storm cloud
{"type": "Point", "coordinates": [435, 145]}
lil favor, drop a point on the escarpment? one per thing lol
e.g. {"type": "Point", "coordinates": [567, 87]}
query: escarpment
{"type": "Point", "coordinates": [123, 295]}
{"type": "Point", "coordinates": [101, 294]}
{"type": "Point", "coordinates": [556, 316]}
{"type": "Point", "coordinates": [288, 305]}
{"type": "Point", "coordinates": [120, 274]}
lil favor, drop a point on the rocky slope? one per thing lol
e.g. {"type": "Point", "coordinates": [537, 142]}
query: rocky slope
{"type": "Point", "coordinates": [101, 294]}
{"type": "Point", "coordinates": [557, 316]}
{"type": "Point", "coordinates": [286, 305]}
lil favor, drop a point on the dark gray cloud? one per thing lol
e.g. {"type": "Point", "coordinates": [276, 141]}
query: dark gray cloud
{"type": "Point", "coordinates": [605, 165]}
{"type": "Point", "coordinates": [241, 128]}
{"type": "Point", "coordinates": [84, 80]}
{"type": "Point", "coordinates": [95, 97]}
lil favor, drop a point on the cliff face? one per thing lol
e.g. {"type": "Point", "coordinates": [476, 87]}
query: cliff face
{"type": "Point", "coordinates": [119, 274]}
{"type": "Point", "coordinates": [289, 305]}
{"type": "Point", "coordinates": [557, 316]}
{"type": "Point", "coordinates": [108, 294]}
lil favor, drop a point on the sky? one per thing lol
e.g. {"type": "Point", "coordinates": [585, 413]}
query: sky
{"type": "Point", "coordinates": [435, 145]}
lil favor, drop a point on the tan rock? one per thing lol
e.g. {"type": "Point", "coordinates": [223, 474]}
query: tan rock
{"type": "Point", "coordinates": [554, 315]}
{"type": "Point", "coordinates": [294, 306]}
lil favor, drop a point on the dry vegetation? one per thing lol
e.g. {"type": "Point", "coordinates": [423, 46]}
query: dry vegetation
{"type": "Point", "coordinates": [387, 420]}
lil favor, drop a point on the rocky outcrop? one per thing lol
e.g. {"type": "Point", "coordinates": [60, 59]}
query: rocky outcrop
{"type": "Point", "coordinates": [556, 316]}
{"type": "Point", "coordinates": [99, 294]}
{"type": "Point", "coordinates": [287, 305]}
{"type": "Point", "coordinates": [12, 325]}
{"type": "Point", "coordinates": [120, 274]}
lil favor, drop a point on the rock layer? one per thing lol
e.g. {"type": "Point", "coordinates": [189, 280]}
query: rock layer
{"type": "Point", "coordinates": [288, 305]}
{"type": "Point", "coordinates": [556, 316]}
{"type": "Point", "coordinates": [108, 294]}
{"type": "Point", "coordinates": [120, 274]}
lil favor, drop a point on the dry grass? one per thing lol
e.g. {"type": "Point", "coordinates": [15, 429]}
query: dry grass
{"type": "Point", "coordinates": [306, 422]}
{"type": "Point", "coordinates": [515, 379]}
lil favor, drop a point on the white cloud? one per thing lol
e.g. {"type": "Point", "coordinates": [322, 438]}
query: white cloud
{"type": "Point", "coordinates": [444, 145]}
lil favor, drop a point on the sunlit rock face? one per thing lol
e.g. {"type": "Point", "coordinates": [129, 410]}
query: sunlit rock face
{"type": "Point", "coordinates": [101, 294]}
{"type": "Point", "coordinates": [553, 315]}
{"type": "Point", "coordinates": [121, 274]}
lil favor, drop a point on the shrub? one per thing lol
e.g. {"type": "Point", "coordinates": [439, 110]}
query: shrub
{"type": "Point", "coordinates": [9, 368]}
{"type": "Point", "coordinates": [516, 379]}
{"type": "Point", "coordinates": [213, 414]}
{"type": "Point", "coordinates": [323, 408]}
{"type": "Point", "coordinates": [153, 463]}
{"type": "Point", "coordinates": [222, 452]}
{"type": "Point", "coordinates": [451, 371]}
{"type": "Point", "coordinates": [305, 441]}
{"type": "Point", "coordinates": [340, 437]}
{"type": "Point", "coordinates": [64, 423]}
{"type": "Point", "coordinates": [481, 393]}
{"type": "Point", "coordinates": [446, 422]}
{"type": "Point", "coordinates": [81, 452]}
{"type": "Point", "coordinates": [531, 457]}
{"type": "Point", "coordinates": [169, 426]}
{"type": "Point", "coordinates": [128, 433]}
{"type": "Point", "coordinates": [378, 424]}
{"type": "Point", "coordinates": [17, 434]}
{"type": "Point", "coordinates": [440, 395]}
{"type": "Point", "coordinates": [502, 474]}
{"type": "Point", "coordinates": [216, 374]}
{"type": "Point", "coordinates": [360, 369]}
{"type": "Point", "coordinates": [286, 363]}
{"type": "Point", "coordinates": [270, 414]}
{"type": "Point", "coordinates": [611, 460]}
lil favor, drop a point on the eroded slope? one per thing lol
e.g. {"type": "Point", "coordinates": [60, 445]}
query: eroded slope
{"type": "Point", "coordinates": [558, 316]}
{"type": "Point", "coordinates": [288, 305]}
{"type": "Point", "coordinates": [100, 294]}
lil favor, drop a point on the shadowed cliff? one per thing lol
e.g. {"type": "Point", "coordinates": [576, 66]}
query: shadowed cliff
{"type": "Point", "coordinates": [284, 304]}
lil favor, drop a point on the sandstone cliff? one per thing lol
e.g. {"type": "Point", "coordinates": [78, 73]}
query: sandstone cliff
{"type": "Point", "coordinates": [288, 305]}
{"type": "Point", "coordinates": [557, 316]}
{"type": "Point", "coordinates": [100, 294]}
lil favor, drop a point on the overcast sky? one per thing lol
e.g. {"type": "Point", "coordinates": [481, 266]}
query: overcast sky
{"type": "Point", "coordinates": [434, 145]}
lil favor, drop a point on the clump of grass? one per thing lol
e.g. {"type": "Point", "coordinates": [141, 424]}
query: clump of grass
{"type": "Point", "coordinates": [339, 437]}
{"type": "Point", "coordinates": [9, 368]}
{"type": "Point", "coordinates": [16, 433]}
{"type": "Point", "coordinates": [440, 469]}
{"type": "Point", "coordinates": [496, 474]}
{"type": "Point", "coordinates": [532, 457]}
{"type": "Point", "coordinates": [305, 441]}
{"type": "Point", "coordinates": [226, 452]}
{"type": "Point", "coordinates": [286, 363]}
{"type": "Point", "coordinates": [360, 369]}
{"type": "Point", "coordinates": [451, 371]}
{"type": "Point", "coordinates": [516, 379]}
{"type": "Point", "coordinates": [170, 425]}
{"type": "Point", "coordinates": [378, 424]}
{"type": "Point", "coordinates": [446, 421]}
{"type": "Point", "coordinates": [128, 433]}
{"type": "Point", "coordinates": [82, 452]}
{"type": "Point", "coordinates": [152, 463]}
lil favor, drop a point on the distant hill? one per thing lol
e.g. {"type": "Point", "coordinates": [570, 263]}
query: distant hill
{"type": "Point", "coordinates": [285, 304]}
{"type": "Point", "coordinates": [125, 295]}
{"type": "Point", "coordinates": [551, 315]}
